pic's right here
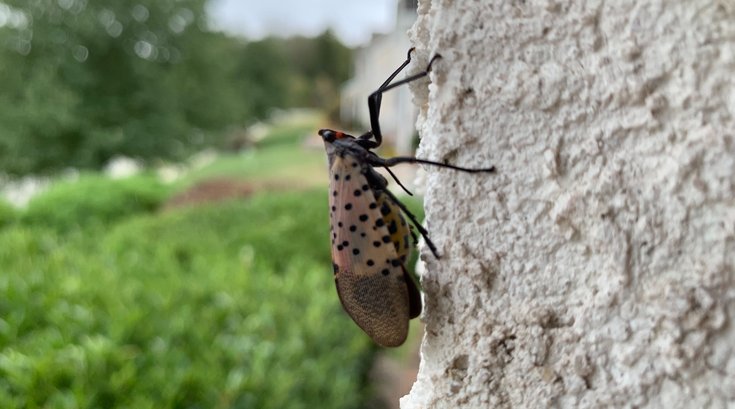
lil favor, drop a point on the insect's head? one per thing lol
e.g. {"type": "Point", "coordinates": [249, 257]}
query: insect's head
{"type": "Point", "coordinates": [330, 136]}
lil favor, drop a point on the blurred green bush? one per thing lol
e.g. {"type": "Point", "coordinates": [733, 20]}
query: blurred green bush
{"type": "Point", "coordinates": [225, 306]}
{"type": "Point", "coordinates": [8, 214]}
{"type": "Point", "coordinates": [94, 200]}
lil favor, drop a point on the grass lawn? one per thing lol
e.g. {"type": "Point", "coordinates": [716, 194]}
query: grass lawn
{"type": "Point", "coordinates": [282, 158]}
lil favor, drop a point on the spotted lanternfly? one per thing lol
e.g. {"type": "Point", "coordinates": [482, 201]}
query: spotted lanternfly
{"type": "Point", "coordinates": [370, 235]}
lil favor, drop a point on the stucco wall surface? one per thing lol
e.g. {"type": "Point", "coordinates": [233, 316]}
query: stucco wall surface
{"type": "Point", "coordinates": [595, 269]}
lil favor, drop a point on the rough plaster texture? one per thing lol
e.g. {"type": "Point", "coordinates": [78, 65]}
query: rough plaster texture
{"type": "Point", "coordinates": [596, 268]}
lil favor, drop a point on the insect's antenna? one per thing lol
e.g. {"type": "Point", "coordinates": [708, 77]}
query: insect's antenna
{"type": "Point", "coordinates": [380, 162]}
{"type": "Point", "coordinates": [376, 97]}
{"type": "Point", "coordinates": [419, 227]}
{"type": "Point", "coordinates": [398, 181]}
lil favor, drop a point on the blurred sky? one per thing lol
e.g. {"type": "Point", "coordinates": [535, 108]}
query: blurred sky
{"type": "Point", "coordinates": [352, 21]}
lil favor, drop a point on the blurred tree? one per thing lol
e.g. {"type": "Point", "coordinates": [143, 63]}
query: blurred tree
{"type": "Point", "coordinates": [326, 64]}
{"type": "Point", "coordinates": [265, 72]}
{"type": "Point", "coordinates": [89, 81]}
{"type": "Point", "coordinates": [84, 81]}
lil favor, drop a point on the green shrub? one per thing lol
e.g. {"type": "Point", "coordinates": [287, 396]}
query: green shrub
{"type": "Point", "coordinates": [8, 214]}
{"type": "Point", "coordinates": [94, 200]}
{"type": "Point", "coordinates": [226, 306]}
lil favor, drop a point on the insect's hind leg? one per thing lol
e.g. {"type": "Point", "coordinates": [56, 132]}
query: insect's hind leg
{"type": "Point", "coordinates": [376, 97]}
{"type": "Point", "coordinates": [424, 233]}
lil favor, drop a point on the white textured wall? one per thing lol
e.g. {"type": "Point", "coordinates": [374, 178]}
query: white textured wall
{"type": "Point", "coordinates": [596, 268]}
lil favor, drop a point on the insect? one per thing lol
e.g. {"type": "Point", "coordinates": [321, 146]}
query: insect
{"type": "Point", "coordinates": [369, 231]}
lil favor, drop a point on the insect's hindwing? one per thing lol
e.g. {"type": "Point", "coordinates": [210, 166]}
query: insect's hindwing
{"type": "Point", "coordinates": [372, 284]}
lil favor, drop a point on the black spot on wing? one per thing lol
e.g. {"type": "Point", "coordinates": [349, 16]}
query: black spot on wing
{"type": "Point", "coordinates": [385, 209]}
{"type": "Point", "coordinates": [392, 228]}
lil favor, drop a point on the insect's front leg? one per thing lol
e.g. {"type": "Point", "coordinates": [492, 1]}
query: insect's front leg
{"type": "Point", "coordinates": [376, 97]}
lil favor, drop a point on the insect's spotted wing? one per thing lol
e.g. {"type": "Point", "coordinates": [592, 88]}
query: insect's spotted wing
{"type": "Point", "coordinates": [372, 283]}
{"type": "Point", "coordinates": [399, 232]}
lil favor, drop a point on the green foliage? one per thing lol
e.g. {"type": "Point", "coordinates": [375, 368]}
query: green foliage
{"type": "Point", "coordinates": [8, 214]}
{"type": "Point", "coordinates": [94, 200]}
{"type": "Point", "coordinates": [88, 80]}
{"type": "Point", "coordinates": [287, 135]}
{"type": "Point", "coordinates": [327, 64]}
{"type": "Point", "coordinates": [84, 81]}
{"type": "Point", "coordinates": [281, 164]}
{"type": "Point", "coordinates": [228, 306]}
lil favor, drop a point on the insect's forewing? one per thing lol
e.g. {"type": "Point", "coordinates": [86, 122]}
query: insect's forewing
{"type": "Point", "coordinates": [372, 283]}
{"type": "Point", "coordinates": [399, 232]}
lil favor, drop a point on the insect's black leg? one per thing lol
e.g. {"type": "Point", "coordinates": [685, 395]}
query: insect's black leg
{"type": "Point", "coordinates": [424, 233]}
{"type": "Point", "coordinates": [365, 141]}
{"type": "Point", "coordinates": [385, 163]}
{"type": "Point", "coordinates": [390, 172]}
{"type": "Point", "coordinates": [413, 235]}
{"type": "Point", "coordinates": [376, 97]}
{"type": "Point", "coordinates": [397, 71]}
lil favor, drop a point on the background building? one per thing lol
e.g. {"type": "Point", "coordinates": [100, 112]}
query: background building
{"type": "Point", "coordinates": [373, 64]}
